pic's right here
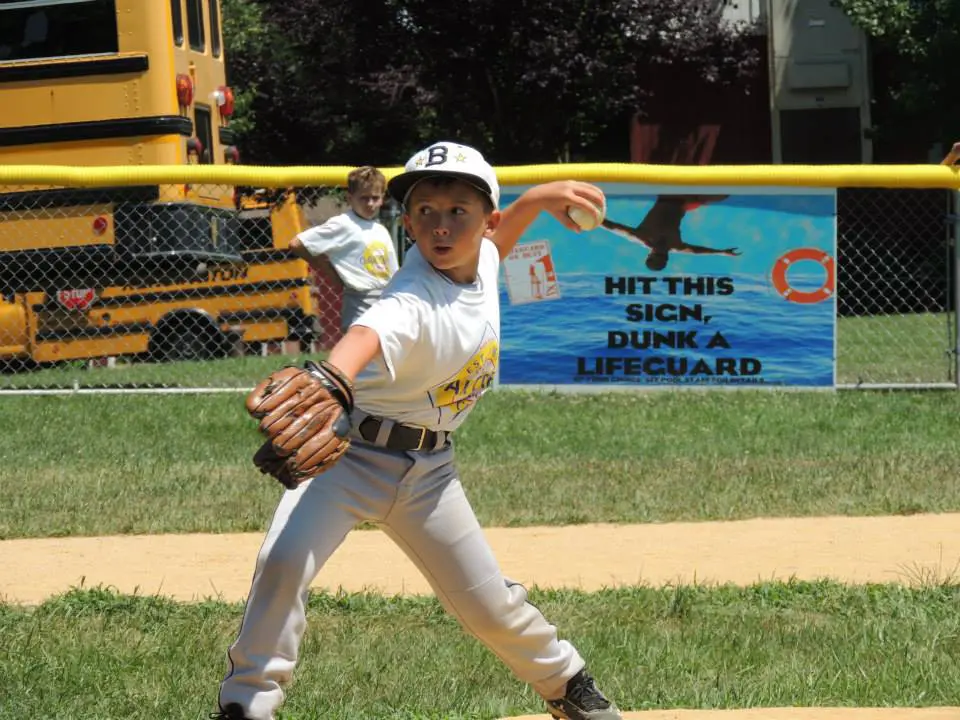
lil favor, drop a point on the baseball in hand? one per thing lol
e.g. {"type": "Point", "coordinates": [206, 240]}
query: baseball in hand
{"type": "Point", "coordinates": [584, 218]}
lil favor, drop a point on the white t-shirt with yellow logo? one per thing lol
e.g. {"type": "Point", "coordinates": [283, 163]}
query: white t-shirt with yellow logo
{"type": "Point", "coordinates": [440, 344]}
{"type": "Point", "coordinates": [361, 251]}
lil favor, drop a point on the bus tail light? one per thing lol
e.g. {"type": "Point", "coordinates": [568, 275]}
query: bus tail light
{"type": "Point", "coordinates": [184, 90]}
{"type": "Point", "coordinates": [194, 147]}
{"type": "Point", "coordinates": [100, 225]}
{"type": "Point", "coordinates": [223, 96]}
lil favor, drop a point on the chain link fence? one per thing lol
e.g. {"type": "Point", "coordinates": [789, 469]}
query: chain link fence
{"type": "Point", "coordinates": [896, 275]}
{"type": "Point", "coordinates": [171, 286]}
{"type": "Point", "coordinates": [177, 287]}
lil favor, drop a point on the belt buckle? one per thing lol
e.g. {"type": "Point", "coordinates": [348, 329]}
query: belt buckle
{"type": "Point", "coordinates": [423, 436]}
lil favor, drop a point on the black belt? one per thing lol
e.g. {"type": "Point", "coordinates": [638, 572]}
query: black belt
{"type": "Point", "coordinates": [401, 437]}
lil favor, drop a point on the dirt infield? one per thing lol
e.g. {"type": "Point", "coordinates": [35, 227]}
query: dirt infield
{"type": "Point", "coordinates": [904, 549]}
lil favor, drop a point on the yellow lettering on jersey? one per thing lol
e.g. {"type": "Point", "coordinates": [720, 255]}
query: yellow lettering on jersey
{"type": "Point", "coordinates": [375, 260]}
{"type": "Point", "coordinates": [463, 389]}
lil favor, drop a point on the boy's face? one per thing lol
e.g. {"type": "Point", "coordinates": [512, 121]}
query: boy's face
{"type": "Point", "coordinates": [448, 219]}
{"type": "Point", "coordinates": [366, 201]}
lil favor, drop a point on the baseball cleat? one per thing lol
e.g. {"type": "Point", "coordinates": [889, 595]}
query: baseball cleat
{"type": "Point", "coordinates": [230, 712]}
{"type": "Point", "coordinates": [583, 701]}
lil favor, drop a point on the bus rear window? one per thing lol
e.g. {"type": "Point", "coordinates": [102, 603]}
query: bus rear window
{"type": "Point", "coordinates": [38, 29]}
{"type": "Point", "coordinates": [214, 15]}
{"type": "Point", "coordinates": [176, 13]}
{"type": "Point", "coordinates": [198, 40]}
{"type": "Point", "coordinates": [204, 132]}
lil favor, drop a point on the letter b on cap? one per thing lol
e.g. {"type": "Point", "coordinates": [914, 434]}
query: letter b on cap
{"type": "Point", "coordinates": [437, 155]}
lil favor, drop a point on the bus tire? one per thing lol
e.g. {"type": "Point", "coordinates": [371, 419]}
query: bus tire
{"type": "Point", "coordinates": [187, 336]}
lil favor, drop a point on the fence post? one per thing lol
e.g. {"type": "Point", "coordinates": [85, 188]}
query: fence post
{"type": "Point", "coordinates": [955, 216]}
{"type": "Point", "coordinates": [951, 160]}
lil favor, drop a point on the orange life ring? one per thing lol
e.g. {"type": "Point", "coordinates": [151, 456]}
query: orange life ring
{"type": "Point", "coordinates": [779, 276]}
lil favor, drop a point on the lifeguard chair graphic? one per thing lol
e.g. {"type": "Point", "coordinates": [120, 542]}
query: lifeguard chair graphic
{"type": "Point", "coordinates": [530, 273]}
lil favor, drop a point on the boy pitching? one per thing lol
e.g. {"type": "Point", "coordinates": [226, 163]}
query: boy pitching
{"type": "Point", "coordinates": [358, 247]}
{"type": "Point", "coordinates": [420, 358]}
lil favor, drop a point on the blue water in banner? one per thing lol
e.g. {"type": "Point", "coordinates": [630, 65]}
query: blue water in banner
{"type": "Point", "coordinates": [678, 288]}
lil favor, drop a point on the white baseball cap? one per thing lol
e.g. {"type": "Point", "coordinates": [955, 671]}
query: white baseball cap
{"type": "Point", "coordinates": [446, 158]}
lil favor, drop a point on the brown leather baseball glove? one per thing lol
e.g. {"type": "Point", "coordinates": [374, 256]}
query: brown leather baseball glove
{"type": "Point", "coordinates": [305, 414]}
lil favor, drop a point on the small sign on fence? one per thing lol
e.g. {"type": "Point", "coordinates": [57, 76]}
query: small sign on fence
{"type": "Point", "coordinates": [530, 275]}
{"type": "Point", "coordinates": [77, 298]}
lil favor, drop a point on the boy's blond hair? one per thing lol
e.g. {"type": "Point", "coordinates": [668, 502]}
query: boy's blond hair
{"type": "Point", "coordinates": [366, 177]}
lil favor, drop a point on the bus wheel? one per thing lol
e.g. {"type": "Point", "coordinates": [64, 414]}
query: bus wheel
{"type": "Point", "coordinates": [189, 336]}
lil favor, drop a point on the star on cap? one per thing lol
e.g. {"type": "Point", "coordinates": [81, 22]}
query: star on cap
{"type": "Point", "coordinates": [460, 158]}
{"type": "Point", "coordinates": [419, 162]}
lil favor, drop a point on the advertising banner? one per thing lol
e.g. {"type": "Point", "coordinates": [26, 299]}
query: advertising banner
{"type": "Point", "coordinates": [680, 286]}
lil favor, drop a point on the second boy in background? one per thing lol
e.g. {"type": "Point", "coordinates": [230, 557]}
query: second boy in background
{"type": "Point", "coordinates": [357, 246]}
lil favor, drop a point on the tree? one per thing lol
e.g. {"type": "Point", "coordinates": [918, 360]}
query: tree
{"type": "Point", "coordinates": [247, 38]}
{"type": "Point", "coordinates": [916, 48]}
{"type": "Point", "coordinates": [542, 82]}
{"type": "Point", "coordinates": [350, 82]}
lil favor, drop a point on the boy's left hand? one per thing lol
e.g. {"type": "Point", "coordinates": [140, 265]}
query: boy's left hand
{"type": "Point", "coordinates": [558, 197]}
{"type": "Point", "coordinates": [305, 414]}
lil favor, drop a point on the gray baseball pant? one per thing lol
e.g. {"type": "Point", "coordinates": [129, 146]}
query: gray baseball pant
{"type": "Point", "coordinates": [418, 500]}
{"type": "Point", "coordinates": [355, 303]}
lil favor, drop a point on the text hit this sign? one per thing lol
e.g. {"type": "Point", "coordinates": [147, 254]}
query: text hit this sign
{"type": "Point", "coordinates": [687, 312]}
{"type": "Point", "coordinates": [678, 287]}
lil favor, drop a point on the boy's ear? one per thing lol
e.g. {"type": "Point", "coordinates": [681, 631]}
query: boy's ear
{"type": "Point", "coordinates": [493, 220]}
{"type": "Point", "coordinates": [407, 225]}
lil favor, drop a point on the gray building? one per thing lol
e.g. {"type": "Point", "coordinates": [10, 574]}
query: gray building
{"type": "Point", "coordinates": [819, 80]}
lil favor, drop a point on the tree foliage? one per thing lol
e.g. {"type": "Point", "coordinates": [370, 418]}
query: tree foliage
{"type": "Point", "coordinates": [246, 38]}
{"type": "Point", "coordinates": [916, 47]}
{"type": "Point", "coordinates": [335, 81]}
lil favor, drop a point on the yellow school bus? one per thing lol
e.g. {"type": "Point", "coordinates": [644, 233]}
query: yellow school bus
{"type": "Point", "coordinates": [265, 297]}
{"type": "Point", "coordinates": [174, 271]}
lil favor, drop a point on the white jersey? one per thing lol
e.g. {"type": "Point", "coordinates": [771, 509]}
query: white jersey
{"type": "Point", "coordinates": [440, 344]}
{"type": "Point", "coordinates": [361, 251]}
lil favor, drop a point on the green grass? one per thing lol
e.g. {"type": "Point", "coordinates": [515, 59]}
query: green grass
{"type": "Point", "coordinates": [883, 349]}
{"type": "Point", "coordinates": [242, 372]}
{"type": "Point", "coordinates": [91, 465]}
{"type": "Point", "coordinates": [92, 654]}
{"type": "Point", "coordinates": [896, 349]}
